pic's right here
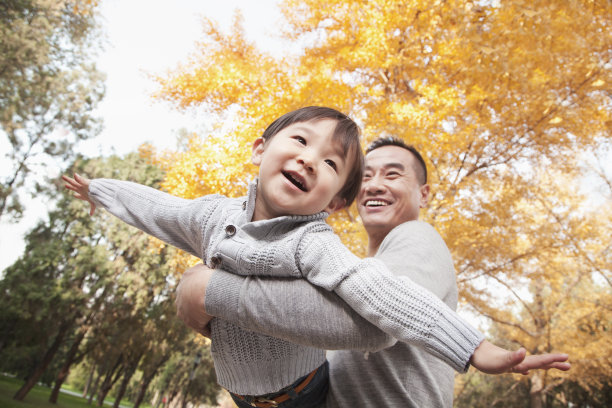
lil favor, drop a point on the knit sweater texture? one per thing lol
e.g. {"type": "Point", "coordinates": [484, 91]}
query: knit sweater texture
{"type": "Point", "coordinates": [219, 230]}
{"type": "Point", "coordinates": [403, 375]}
{"type": "Point", "coordinates": [400, 375]}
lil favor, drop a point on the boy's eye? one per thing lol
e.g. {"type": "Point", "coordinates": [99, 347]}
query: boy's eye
{"type": "Point", "coordinates": [332, 164]}
{"type": "Point", "coordinates": [300, 139]}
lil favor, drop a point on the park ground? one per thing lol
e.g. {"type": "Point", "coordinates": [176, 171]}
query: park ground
{"type": "Point", "coordinates": [39, 396]}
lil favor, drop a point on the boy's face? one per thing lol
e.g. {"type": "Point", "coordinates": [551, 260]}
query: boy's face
{"type": "Point", "coordinates": [301, 171]}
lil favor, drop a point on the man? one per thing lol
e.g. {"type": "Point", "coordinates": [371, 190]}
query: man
{"type": "Point", "coordinates": [394, 189]}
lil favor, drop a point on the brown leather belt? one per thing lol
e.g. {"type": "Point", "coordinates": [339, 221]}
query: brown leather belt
{"type": "Point", "coordinates": [263, 402]}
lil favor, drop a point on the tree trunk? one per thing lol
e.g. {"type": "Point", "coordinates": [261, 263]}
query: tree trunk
{"type": "Point", "coordinates": [94, 390]}
{"type": "Point", "coordinates": [129, 372]}
{"type": "Point", "coordinates": [185, 395]}
{"type": "Point", "coordinates": [65, 370]}
{"type": "Point", "coordinates": [172, 397]}
{"type": "Point", "coordinates": [89, 380]}
{"type": "Point", "coordinates": [146, 380]}
{"type": "Point", "coordinates": [40, 369]}
{"type": "Point", "coordinates": [109, 380]}
{"type": "Point", "coordinates": [158, 398]}
{"type": "Point", "coordinates": [536, 397]}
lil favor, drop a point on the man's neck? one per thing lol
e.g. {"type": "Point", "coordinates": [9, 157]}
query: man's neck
{"type": "Point", "coordinates": [375, 238]}
{"type": "Point", "coordinates": [374, 241]}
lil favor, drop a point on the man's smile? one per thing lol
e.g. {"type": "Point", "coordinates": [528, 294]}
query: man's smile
{"type": "Point", "coordinates": [296, 179]}
{"type": "Point", "coordinates": [376, 203]}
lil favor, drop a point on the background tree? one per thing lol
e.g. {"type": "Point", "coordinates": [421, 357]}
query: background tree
{"type": "Point", "coordinates": [94, 288]}
{"type": "Point", "coordinates": [183, 380]}
{"type": "Point", "coordinates": [48, 88]}
{"type": "Point", "coordinates": [44, 294]}
{"type": "Point", "coordinates": [506, 102]}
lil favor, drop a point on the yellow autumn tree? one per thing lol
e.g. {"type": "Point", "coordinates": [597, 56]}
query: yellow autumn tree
{"type": "Point", "coordinates": [504, 100]}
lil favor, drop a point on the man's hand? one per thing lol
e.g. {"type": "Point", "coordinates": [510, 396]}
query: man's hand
{"type": "Point", "coordinates": [190, 294]}
{"type": "Point", "coordinates": [491, 359]}
{"type": "Point", "coordinates": [80, 186]}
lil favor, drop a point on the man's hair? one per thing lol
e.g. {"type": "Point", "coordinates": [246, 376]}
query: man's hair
{"type": "Point", "coordinates": [420, 170]}
{"type": "Point", "coordinates": [346, 133]}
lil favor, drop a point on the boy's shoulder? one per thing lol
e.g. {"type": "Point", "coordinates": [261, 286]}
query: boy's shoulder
{"type": "Point", "coordinates": [317, 230]}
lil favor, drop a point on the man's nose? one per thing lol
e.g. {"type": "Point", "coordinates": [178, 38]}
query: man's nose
{"type": "Point", "coordinates": [374, 185]}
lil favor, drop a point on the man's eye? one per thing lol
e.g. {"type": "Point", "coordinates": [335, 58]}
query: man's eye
{"type": "Point", "coordinates": [331, 164]}
{"type": "Point", "coordinates": [392, 174]}
{"type": "Point", "coordinates": [300, 139]}
{"type": "Point", "coordinates": [367, 176]}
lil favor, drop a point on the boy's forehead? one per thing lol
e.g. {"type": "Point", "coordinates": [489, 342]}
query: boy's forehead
{"type": "Point", "coordinates": [322, 127]}
{"type": "Point", "coordinates": [317, 122]}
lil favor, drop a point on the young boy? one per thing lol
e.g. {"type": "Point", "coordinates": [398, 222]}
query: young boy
{"type": "Point", "coordinates": [310, 165]}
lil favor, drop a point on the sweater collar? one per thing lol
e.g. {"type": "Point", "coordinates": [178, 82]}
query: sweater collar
{"type": "Point", "coordinates": [250, 209]}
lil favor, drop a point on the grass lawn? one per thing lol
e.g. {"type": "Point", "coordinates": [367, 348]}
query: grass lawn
{"type": "Point", "coordinates": [37, 397]}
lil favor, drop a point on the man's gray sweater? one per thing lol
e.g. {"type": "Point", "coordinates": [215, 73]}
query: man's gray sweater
{"type": "Point", "coordinates": [219, 230]}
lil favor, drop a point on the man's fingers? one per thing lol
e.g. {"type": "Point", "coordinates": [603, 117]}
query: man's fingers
{"type": "Point", "coordinates": [190, 293]}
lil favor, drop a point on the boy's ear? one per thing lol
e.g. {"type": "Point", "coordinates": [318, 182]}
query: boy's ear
{"type": "Point", "coordinates": [258, 149]}
{"type": "Point", "coordinates": [336, 204]}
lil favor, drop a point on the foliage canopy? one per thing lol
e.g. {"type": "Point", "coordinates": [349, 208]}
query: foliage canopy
{"type": "Point", "coordinates": [505, 101]}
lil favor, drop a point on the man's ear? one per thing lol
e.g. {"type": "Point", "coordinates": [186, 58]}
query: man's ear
{"type": "Point", "coordinates": [425, 194]}
{"type": "Point", "coordinates": [337, 203]}
{"type": "Point", "coordinates": [258, 149]}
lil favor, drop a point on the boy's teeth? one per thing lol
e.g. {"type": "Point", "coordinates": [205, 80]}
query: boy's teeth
{"type": "Point", "coordinates": [295, 181]}
{"type": "Point", "coordinates": [375, 203]}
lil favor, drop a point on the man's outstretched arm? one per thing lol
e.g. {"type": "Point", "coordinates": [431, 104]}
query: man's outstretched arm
{"type": "Point", "coordinates": [290, 309]}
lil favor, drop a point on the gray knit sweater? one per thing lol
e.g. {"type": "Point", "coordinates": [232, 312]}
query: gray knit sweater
{"type": "Point", "coordinates": [219, 231]}
{"type": "Point", "coordinates": [402, 375]}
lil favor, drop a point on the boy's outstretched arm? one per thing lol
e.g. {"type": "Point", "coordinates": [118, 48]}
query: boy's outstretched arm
{"type": "Point", "coordinates": [491, 359]}
{"type": "Point", "coordinates": [80, 186]}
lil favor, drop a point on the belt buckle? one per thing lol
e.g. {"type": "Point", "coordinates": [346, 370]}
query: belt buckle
{"type": "Point", "coordinates": [265, 401]}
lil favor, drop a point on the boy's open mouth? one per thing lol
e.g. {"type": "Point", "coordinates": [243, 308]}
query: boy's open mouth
{"type": "Point", "coordinates": [296, 179]}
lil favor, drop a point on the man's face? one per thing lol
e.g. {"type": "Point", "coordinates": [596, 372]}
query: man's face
{"type": "Point", "coordinates": [390, 192]}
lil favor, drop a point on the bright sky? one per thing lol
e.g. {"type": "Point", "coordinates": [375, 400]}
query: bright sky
{"type": "Point", "coordinates": [152, 36]}
{"type": "Point", "coordinates": [147, 36]}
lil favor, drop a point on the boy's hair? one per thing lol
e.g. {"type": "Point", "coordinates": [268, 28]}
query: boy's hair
{"type": "Point", "coordinates": [421, 170]}
{"type": "Point", "coordinates": [346, 133]}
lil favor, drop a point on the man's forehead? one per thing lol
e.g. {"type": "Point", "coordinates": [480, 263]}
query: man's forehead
{"type": "Point", "coordinates": [388, 156]}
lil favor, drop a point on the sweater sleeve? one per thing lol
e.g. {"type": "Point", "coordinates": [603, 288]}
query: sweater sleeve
{"type": "Point", "coordinates": [176, 221]}
{"type": "Point", "coordinates": [397, 306]}
{"type": "Point", "coordinates": [293, 310]}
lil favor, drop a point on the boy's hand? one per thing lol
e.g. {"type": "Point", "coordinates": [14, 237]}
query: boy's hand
{"type": "Point", "coordinates": [80, 186]}
{"type": "Point", "coordinates": [491, 359]}
{"type": "Point", "coordinates": [190, 294]}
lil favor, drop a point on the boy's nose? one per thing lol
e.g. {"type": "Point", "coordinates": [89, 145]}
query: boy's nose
{"type": "Point", "coordinates": [306, 162]}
